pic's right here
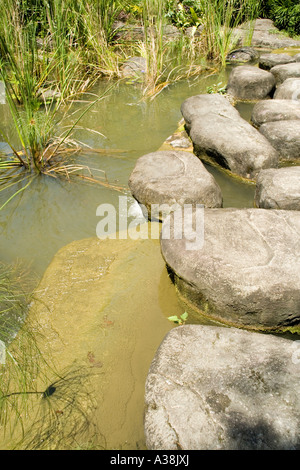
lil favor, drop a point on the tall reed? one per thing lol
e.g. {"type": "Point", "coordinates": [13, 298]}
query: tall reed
{"type": "Point", "coordinates": [219, 19]}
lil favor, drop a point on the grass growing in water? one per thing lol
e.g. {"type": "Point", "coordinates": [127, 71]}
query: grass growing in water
{"type": "Point", "coordinates": [219, 18]}
{"type": "Point", "coordinates": [40, 406]}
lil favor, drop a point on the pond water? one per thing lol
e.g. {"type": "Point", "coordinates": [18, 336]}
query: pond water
{"type": "Point", "coordinates": [51, 214]}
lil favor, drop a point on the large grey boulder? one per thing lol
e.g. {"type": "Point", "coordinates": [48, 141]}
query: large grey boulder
{"type": "Point", "coordinates": [278, 189]}
{"type": "Point", "coordinates": [284, 136]}
{"type": "Point", "coordinates": [232, 143]}
{"type": "Point", "coordinates": [237, 266]}
{"type": "Point", "coordinates": [198, 106]}
{"type": "Point", "coordinates": [267, 61]}
{"type": "Point", "coordinates": [170, 178]}
{"type": "Point", "coordinates": [275, 110]}
{"type": "Point", "coordinates": [283, 72]}
{"type": "Point", "coordinates": [212, 388]}
{"type": "Point", "coordinates": [288, 90]}
{"type": "Point", "coordinates": [247, 82]}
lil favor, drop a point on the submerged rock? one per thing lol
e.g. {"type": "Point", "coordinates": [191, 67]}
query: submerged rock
{"type": "Point", "coordinates": [247, 82]}
{"type": "Point", "coordinates": [283, 72]}
{"type": "Point", "coordinates": [98, 316]}
{"type": "Point", "coordinates": [212, 388]}
{"type": "Point", "coordinates": [275, 110]}
{"type": "Point", "coordinates": [288, 90]}
{"type": "Point", "coordinates": [238, 266]}
{"type": "Point", "coordinates": [172, 178]}
{"type": "Point", "coordinates": [284, 136]}
{"type": "Point", "coordinates": [278, 189]}
{"type": "Point", "coordinates": [267, 61]}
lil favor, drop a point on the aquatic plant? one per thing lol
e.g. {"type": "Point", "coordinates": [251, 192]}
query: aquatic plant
{"type": "Point", "coordinates": [179, 320]}
{"type": "Point", "coordinates": [219, 18]}
{"type": "Point", "coordinates": [39, 104]}
{"type": "Point", "coordinates": [41, 407]}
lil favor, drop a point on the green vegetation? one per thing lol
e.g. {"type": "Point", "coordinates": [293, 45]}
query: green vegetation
{"type": "Point", "coordinates": [179, 320]}
{"type": "Point", "coordinates": [40, 407]}
{"type": "Point", "coordinates": [284, 13]}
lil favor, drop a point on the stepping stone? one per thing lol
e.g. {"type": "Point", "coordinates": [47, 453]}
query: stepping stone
{"type": "Point", "coordinates": [172, 178]}
{"type": "Point", "coordinates": [267, 61]}
{"type": "Point", "coordinates": [278, 189]}
{"type": "Point", "coordinates": [233, 144]}
{"type": "Point", "coordinates": [284, 136]}
{"type": "Point", "coordinates": [237, 266]}
{"type": "Point", "coordinates": [199, 105]}
{"type": "Point", "coordinates": [288, 90]}
{"type": "Point", "coordinates": [275, 110]}
{"type": "Point", "coordinates": [247, 82]}
{"type": "Point", "coordinates": [282, 72]}
{"type": "Point", "coordinates": [212, 388]}
{"type": "Point", "coordinates": [243, 54]}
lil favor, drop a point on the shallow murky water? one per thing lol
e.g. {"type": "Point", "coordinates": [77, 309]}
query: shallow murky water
{"type": "Point", "coordinates": [52, 213]}
{"type": "Point", "coordinates": [124, 319]}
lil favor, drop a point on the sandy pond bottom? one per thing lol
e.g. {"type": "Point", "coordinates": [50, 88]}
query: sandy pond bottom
{"type": "Point", "coordinates": [100, 313]}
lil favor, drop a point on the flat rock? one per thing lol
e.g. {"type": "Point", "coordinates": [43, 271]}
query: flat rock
{"type": "Point", "coordinates": [172, 177]}
{"type": "Point", "coordinates": [275, 110]}
{"type": "Point", "coordinates": [278, 189]}
{"type": "Point", "coordinates": [212, 388]}
{"type": "Point", "coordinates": [98, 316]}
{"type": "Point", "coordinates": [233, 144]}
{"type": "Point", "coordinates": [198, 106]}
{"type": "Point", "coordinates": [282, 72]}
{"type": "Point", "coordinates": [265, 35]}
{"type": "Point", "coordinates": [134, 67]}
{"type": "Point", "coordinates": [247, 82]}
{"type": "Point", "coordinates": [240, 266]}
{"type": "Point", "coordinates": [267, 61]}
{"type": "Point", "coordinates": [288, 90]}
{"type": "Point", "coordinates": [284, 136]}
{"type": "Point", "coordinates": [243, 54]}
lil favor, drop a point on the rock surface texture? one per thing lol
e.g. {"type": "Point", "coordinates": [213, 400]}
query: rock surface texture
{"type": "Point", "coordinates": [242, 55]}
{"type": "Point", "coordinates": [267, 61]}
{"type": "Point", "coordinates": [288, 90]}
{"type": "Point", "coordinates": [237, 266]}
{"type": "Point", "coordinates": [172, 177]}
{"type": "Point", "coordinates": [247, 82]}
{"type": "Point", "coordinates": [218, 131]}
{"type": "Point", "coordinates": [284, 136]}
{"type": "Point", "coordinates": [283, 72]}
{"type": "Point", "coordinates": [278, 189]}
{"type": "Point", "coordinates": [199, 105]}
{"type": "Point", "coordinates": [265, 35]}
{"type": "Point", "coordinates": [275, 110]}
{"type": "Point", "coordinates": [212, 388]}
